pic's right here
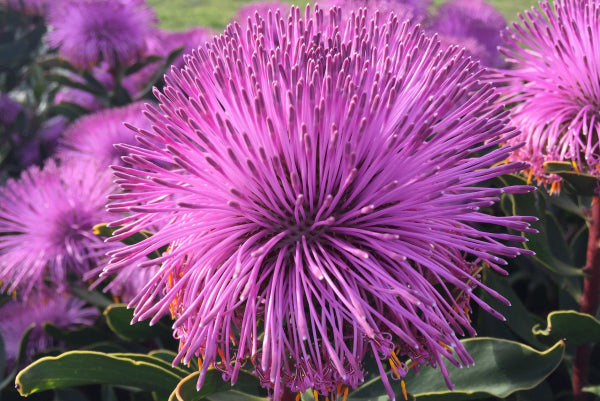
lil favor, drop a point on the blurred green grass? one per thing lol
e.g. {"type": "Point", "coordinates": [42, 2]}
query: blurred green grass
{"type": "Point", "coordinates": [181, 14]}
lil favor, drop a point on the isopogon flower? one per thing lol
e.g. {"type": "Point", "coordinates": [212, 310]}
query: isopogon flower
{"type": "Point", "coordinates": [553, 77]}
{"type": "Point", "coordinates": [62, 310]}
{"type": "Point", "coordinates": [94, 136]}
{"type": "Point", "coordinates": [46, 217]}
{"type": "Point", "coordinates": [474, 24]}
{"type": "Point", "coordinates": [325, 201]}
{"type": "Point", "coordinates": [89, 31]}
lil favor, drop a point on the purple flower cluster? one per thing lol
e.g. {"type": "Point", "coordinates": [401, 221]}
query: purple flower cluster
{"type": "Point", "coordinates": [320, 185]}
{"type": "Point", "coordinates": [46, 218]}
{"type": "Point", "coordinates": [89, 31]}
{"type": "Point", "coordinates": [553, 77]}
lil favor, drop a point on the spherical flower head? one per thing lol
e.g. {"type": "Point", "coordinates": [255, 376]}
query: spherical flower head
{"type": "Point", "coordinates": [475, 24]}
{"type": "Point", "coordinates": [94, 136]}
{"type": "Point", "coordinates": [553, 77]}
{"type": "Point", "coordinates": [89, 31]}
{"type": "Point", "coordinates": [46, 218]}
{"type": "Point", "coordinates": [61, 310]}
{"type": "Point", "coordinates": [324, 203]}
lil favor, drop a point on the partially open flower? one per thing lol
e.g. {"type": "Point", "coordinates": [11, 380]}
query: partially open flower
{"type": "Point", "coordinates": [324, 203]}
{"type": "Point", "coordinates": [553, 79]}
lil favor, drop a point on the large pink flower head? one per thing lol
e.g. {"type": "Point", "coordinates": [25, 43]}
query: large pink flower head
{"type": "Point", "coordinates": [46, 220]}
{"type": "Point", "coordinates": [94, 136]}
{"type": "Point", "coordinates": [61, 310]}
{"type": "Point", "coordinates": [554, 79]}
{"type": "Point", "coordinates": [327, 183]}
{"type": "Point", "coordinates": [474, 24]}
{"type": "Point", "coordinates": [89, 31]}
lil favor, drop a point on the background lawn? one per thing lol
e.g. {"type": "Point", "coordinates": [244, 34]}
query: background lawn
{"type": "Point", "coordinates": [181, 14]}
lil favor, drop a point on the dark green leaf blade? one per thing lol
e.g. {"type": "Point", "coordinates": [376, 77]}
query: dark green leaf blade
{"type": "Point", "coordinates": [88, 367]}
{"type": "Point", "coordinates": [214, 383]}
{"type": "Point", "coordinates": [574, 327]}
{"type": "Point", "coordinates": [501, 368]}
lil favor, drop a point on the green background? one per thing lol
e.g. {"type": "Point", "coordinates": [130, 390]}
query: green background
{"type": "Point", "coordinates": [181, 14]}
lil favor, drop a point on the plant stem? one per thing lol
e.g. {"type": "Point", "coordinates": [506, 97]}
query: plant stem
{"type": "Point", "coordinates": [589, 301]}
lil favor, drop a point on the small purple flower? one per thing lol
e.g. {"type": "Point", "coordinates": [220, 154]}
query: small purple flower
{"type": "Point", "coordinates": [553, 77]}
{"type": "Point", "coordinates": [474, 24]}
{"type": "Point", "coordinates": [94, 136]}
{"type": "Point", "coordinates": [46, 218]}
{"type": "Point", "coordinates": [89, 31]}
{"type": "Point", "coordinates": [324, 201]}
{"type": "Point", "coordinates": [61, 310]}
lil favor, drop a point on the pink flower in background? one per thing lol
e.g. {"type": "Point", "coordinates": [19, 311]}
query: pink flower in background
{"type": "Point", "coordinates": [94, 136]}
{"type": "Point", "coordinates": [261, 7]}
{"type": "Point", "coordinates": [415, 10]}
{"type": "Point", "coordinates": [325, 201]}
{"type": "Point", "coordinates": [89, 31]}
{"type": "Point", "coordinates": [61, 310]}
{"type": "Point", "coordinates": [474, 24]}
{"type": "Point", "coordinates": [46, 217]}
{"type": "Point", "coordinates": [553, 76]}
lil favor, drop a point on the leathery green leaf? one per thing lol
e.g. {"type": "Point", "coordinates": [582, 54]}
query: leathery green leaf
{"type": "Point", "coordinates": [501, 368]}
{"type": "Point", "coordinates": [213, 384]}
{"type": "Point", "coordinates": [574, 327]}
{"type": "Point", "coordinates": [88, 367]}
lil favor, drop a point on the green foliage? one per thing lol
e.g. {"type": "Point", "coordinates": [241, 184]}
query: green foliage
{"type": "Point", "coordinates": [78, 368]}
{"type": "Point", "coordinates": [573, 327]}
{"type": "Point", "coordinates": [500, 368]}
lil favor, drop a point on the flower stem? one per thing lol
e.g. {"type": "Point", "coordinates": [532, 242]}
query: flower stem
{"type": "Point", "coordinates": [589, 301]}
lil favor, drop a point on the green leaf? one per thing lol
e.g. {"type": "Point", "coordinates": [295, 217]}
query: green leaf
{"type": "Point", "coordinates": [574, 327]}
{"type": "Point", "coordinates": [95, 298]}
{"type": "Point", "coordinates": [558, 167]}
{"type": "Point", "coordinates": [119, 318]}
{"type": "Point", "coordinates": [593, 390]}
{"type": "Point", "coordinates": [179, 371]}
{"type": "Point", "coordinates": [67, 81]}
{"type": "Point", "coordinates": [214, 383]}
{"type": "Point", "coordinates": [76, 338]}
{"type": "Point", "coordinates": [68, 109]}
{"type": "Point", "coordinates": [501, 368]}
{"type": "Point", "coordinates": [22, 354]}
{"type": "Point", "coordinates": [534, 204]}
{"type": "Point", "coordinates": [141, 64]}
{"type": "Point", "coordinates": [78, 368]}
{"type": "Point", "coordinates": [518, 318]}
{"type": "Point", "coordinates": [102, 230]}
{"type": "Point", "coordinates": [579, 183]}
{"type": "Point", "coordinates": [233, 395]}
